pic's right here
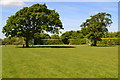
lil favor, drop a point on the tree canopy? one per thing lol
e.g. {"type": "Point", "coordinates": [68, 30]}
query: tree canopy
{"type": "Point", "coordinates": [95, 27]}
{"type": "Point", "coordinates": [30, 20]}
{"type": "Point", "coordinates": [55, 36]}
{"type": "Point", "coordinates": [71, 35]}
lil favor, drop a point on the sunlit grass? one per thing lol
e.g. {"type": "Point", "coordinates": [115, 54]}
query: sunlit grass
{"type": "Point", "coordinates": [0, 62]}
{"type": "Point", "coordinates": [50, 62]}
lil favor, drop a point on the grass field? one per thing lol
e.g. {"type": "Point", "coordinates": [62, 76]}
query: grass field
{"type": "Point", "coordinates": [60, 62]}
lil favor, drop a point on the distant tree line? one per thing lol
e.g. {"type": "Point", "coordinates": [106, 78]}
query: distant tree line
{"type": "Point", "coordinates": [68, 37]}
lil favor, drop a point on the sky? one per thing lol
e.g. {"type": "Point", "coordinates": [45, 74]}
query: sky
{"type": "Point", "coordinates": [72, 14]}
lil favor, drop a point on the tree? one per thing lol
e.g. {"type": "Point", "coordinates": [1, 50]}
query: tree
{"type": "Point", "coordinates": [30, 20]}
{"type": "Point", "coordinates": [66, 36]}
{"type": "Point", "coordinates": [77, 35]}
{"type": "Point", "coordinates": [95, 27]}
{"type": "Point", "coordinates": [71, 35]}
{"type": "Point", "coordinates": [55, 36]}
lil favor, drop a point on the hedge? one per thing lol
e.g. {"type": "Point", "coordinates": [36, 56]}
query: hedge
{"type": "Point", "coordinates": [77, 41]}
{"type": "Point", "coordinates": [52, 41]}
{"type": "Point", "coordinates": [105, 41]}
{"type": "Point", "coordinates": [110, 41]}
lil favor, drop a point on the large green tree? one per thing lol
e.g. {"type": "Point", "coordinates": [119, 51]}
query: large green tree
{"type": "Point", "coordinates": [30, 20]}
{"type": "Point", "coordinates": [95, 27]}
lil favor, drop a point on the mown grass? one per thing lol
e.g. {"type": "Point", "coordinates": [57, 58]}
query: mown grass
{"type": "Point", "coordinates": [61, 62]}
{"type": "Point", "coordinates": [0, 62]}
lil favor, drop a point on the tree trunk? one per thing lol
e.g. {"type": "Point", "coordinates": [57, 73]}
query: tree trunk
{"type": "Point", "coordinates": [26, 41]}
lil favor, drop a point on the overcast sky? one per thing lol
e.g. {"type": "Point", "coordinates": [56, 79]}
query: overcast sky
{"type": "Point", "coordinates": [72, 14]}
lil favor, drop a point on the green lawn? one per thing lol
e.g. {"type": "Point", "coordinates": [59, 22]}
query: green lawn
{"type": "Point", "coordinates": [60, 62]}
{"type": "Point", "coordinates": [0, 62]}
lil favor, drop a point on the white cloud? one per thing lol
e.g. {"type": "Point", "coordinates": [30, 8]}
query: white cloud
{"type": "Point", "coordinates": [14, 2]}
{"type": "Point", "coordinates": [93, 12]}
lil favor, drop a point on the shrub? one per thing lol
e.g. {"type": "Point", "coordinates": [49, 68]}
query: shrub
{"type": "Point", "coordinates": [12, 41]}
{"type": "Point", "coordinates": [110, 41]}
{"type": "Point", "coordinates": [52, 41]}
{"type": "Point", "coordinates": [55, 36]}
{"type": "Point", "coordinates": [77, 41]}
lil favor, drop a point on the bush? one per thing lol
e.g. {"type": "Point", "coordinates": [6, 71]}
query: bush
{"type": "Point", "coordinates": [52, 41]}
{"type": "Point", "coordinates": [55, 36]}
{"type": "Point", "coordinates": [109, 41]}
{"type": "Point", "coordinates": [77, 41]}
{"type": "Point", "coordinates": [12, 41]}
{"type": "Point", "coordinates": [6, 41]}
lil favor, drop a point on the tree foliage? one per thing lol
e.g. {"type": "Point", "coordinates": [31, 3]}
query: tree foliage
{"type": "Point", "coordinates": [30, 20]}
{"type": "Point", "coordinates": [55, 36]}
{"type": "Point", "coordinates": [39, 36]}
{"type": "Point", "coordinates": [71, 35]}
{"type": "Point", "coordinates": [95, 27]}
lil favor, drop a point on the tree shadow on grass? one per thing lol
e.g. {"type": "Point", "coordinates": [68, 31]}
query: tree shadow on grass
{"type": "Point", "coordinates": [48, 47]}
